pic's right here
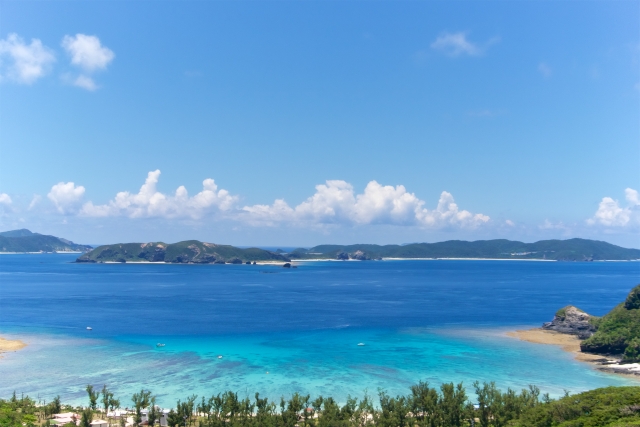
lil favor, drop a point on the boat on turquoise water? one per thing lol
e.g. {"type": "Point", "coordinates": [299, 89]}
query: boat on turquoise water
{"type": "Point", "coordinates": [89, 328]}
{"type": "Point", "coordinates": [160, 345]}
{"type": "Point", "coordinates": [219, 357]}
{"type": "Point", "coordinates": [360, 344]}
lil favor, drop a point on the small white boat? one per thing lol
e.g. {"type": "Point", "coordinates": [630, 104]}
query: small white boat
{"type": "Point", "coordinates": [89, 328]}
{"type": "Point", "coordinates": [159, 345]}
{"type": "Point", "coordinates": [219, 357]}
{"type": "Point", "coordinates": [360, 344]}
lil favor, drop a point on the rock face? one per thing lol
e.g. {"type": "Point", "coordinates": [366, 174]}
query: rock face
{"type": "Point", "coordinates": [359, 255]}
{"type": "Point", "coordinates": [571, 320]}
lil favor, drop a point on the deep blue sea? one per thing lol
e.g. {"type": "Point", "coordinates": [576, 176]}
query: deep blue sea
{"type": "Point", "coordinates": [285, 330]}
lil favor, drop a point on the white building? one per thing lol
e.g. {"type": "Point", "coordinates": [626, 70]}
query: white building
{"type": "Point", "coordinates": [99, 423]}
{"type": "Point", "coordinates": [164, 418]}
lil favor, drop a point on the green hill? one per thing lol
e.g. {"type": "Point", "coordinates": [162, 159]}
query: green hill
{"type": "Point", "coordinates": [25, 241]}
{"type": "Point", "coordinates": [187, 252]}
{"type": "Point", "coordinates": [618, 332]}
{"type": "Point", "coordinates": [560, 250]}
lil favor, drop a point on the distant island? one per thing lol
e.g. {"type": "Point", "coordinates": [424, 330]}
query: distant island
{"type": "Point", "coordinates": [187, 252]}
{"type": "Point", "coordinates": [196, 252]}
{"type": "Point", "coordinates": [558, 250]}
{"type": "Point", "coordinates": [24, 241]}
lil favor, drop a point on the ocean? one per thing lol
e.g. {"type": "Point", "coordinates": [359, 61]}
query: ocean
{"type": "Point", "coordinates": [281, 331]}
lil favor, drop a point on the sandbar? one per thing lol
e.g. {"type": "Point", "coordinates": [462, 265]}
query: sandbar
{"type": "Point", "coordinates": [10, 345]}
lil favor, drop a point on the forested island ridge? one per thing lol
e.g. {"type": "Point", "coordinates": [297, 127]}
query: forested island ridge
{"type": "Point", "coordinates": [197, 252]}
{"type": "Point", "coordinates": [24, 240]}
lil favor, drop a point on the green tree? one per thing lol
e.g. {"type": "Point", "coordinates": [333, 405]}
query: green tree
{"type": "Point", "coordinates": [140, 401]}
{"type": "Point", "coordinates": [107, 396]}
{"type": "Point", "coordinates": [93, 397]}
{"type": "Point", "coordinates": [154, 412]}
{"type": "Point", "coordinates": [55, 405]}
{"type": "Point", "coordinates": [86, 417]}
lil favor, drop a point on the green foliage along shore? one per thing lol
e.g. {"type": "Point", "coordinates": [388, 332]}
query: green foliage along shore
{"type": "Point", "coordinates": [618, 332]}
{"type": "Point", "coordinates": [424, 406]}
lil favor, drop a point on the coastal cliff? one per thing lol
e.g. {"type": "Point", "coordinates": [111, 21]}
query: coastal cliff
{"type": "Point", "coordinates": [187, 252]}
{"type": "Point", "coordinates": [615, 335]}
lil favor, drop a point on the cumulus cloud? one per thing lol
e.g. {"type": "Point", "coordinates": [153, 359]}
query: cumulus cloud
{"type": "Point", "coordinates": [5, 200]}
{"type": "Point", "coordinates": [66, 196]}
{"type": "Point", "coordinates": [335, 202]}
{"type": "Point", "coordinates": [149, 202]}
{"type": "Point", "coordinates": [611, 214]}
{"type": "Point", "coordinates": [457, 44]}
{"type": "Point", "coordinates": [87, 52]}
{"type": "Point", "coordinates": [22, 62]}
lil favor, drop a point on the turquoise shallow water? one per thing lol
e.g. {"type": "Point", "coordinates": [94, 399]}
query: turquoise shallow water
{"type": "Point", "coordinates": [435, 321]}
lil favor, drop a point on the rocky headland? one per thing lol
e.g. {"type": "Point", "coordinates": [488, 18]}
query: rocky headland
{"type": "Point", "coordinates": [573, 321]}
{"type": "Point", "coordinates": [610, 342]}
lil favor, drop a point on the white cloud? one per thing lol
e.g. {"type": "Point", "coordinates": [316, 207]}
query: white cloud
{"type": "Point", "coordinates": [24, 63]}
{"type": "Point", "coordinates": [36, 199]}
{"type": "Point", "coordinates": [456, 44]}
{"type": "Point", "coordinates": [66, 196]}
{"type": "Point", "coordinates": [5, 199]}
{"type": "Point", "coordinates": [149, 202]}
{"type": "Point", "coordinates": [85, 82]}
{"type": "Point", "coordinates": [87, 52]}
{"type": "Point", "coordinates": [544, 69]}
{"type": "Point", "coordinates": [548, 225]}
{"type": "Point", "coordinates": [510, 223]}
{"type": "Point", "coordinates": [611, 214]}
{"type": "Point", "coordinates": [336, 203]}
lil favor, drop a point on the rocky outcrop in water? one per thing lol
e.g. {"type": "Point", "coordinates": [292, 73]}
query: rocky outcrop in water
{"type": "Point", "coordinates": [571, 320]}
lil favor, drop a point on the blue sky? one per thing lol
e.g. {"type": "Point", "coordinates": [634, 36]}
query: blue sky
{"type": "Point", "coordinates": [320, 121]}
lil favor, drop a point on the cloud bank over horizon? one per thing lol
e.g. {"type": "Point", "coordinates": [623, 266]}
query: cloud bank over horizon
{"type": "Point", "coordinates": [335, 209]}
{"type": "Point", "coordinates": [334, 203]}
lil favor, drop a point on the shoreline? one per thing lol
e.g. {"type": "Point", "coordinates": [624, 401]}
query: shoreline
{"type": "Point", "coordinates": [571, 344]}
{"type": "Point", "coordinates": [333, 259]}
{"type": "Point", "coordinates": [7, 345]}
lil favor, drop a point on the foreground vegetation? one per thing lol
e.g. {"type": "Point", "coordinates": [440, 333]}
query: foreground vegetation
{"type": "Point", "coordinates": [424, 406]}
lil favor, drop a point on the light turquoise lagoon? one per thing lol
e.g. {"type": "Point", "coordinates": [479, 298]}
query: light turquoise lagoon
{"type": "Point", "coordinates": [436, 321]}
